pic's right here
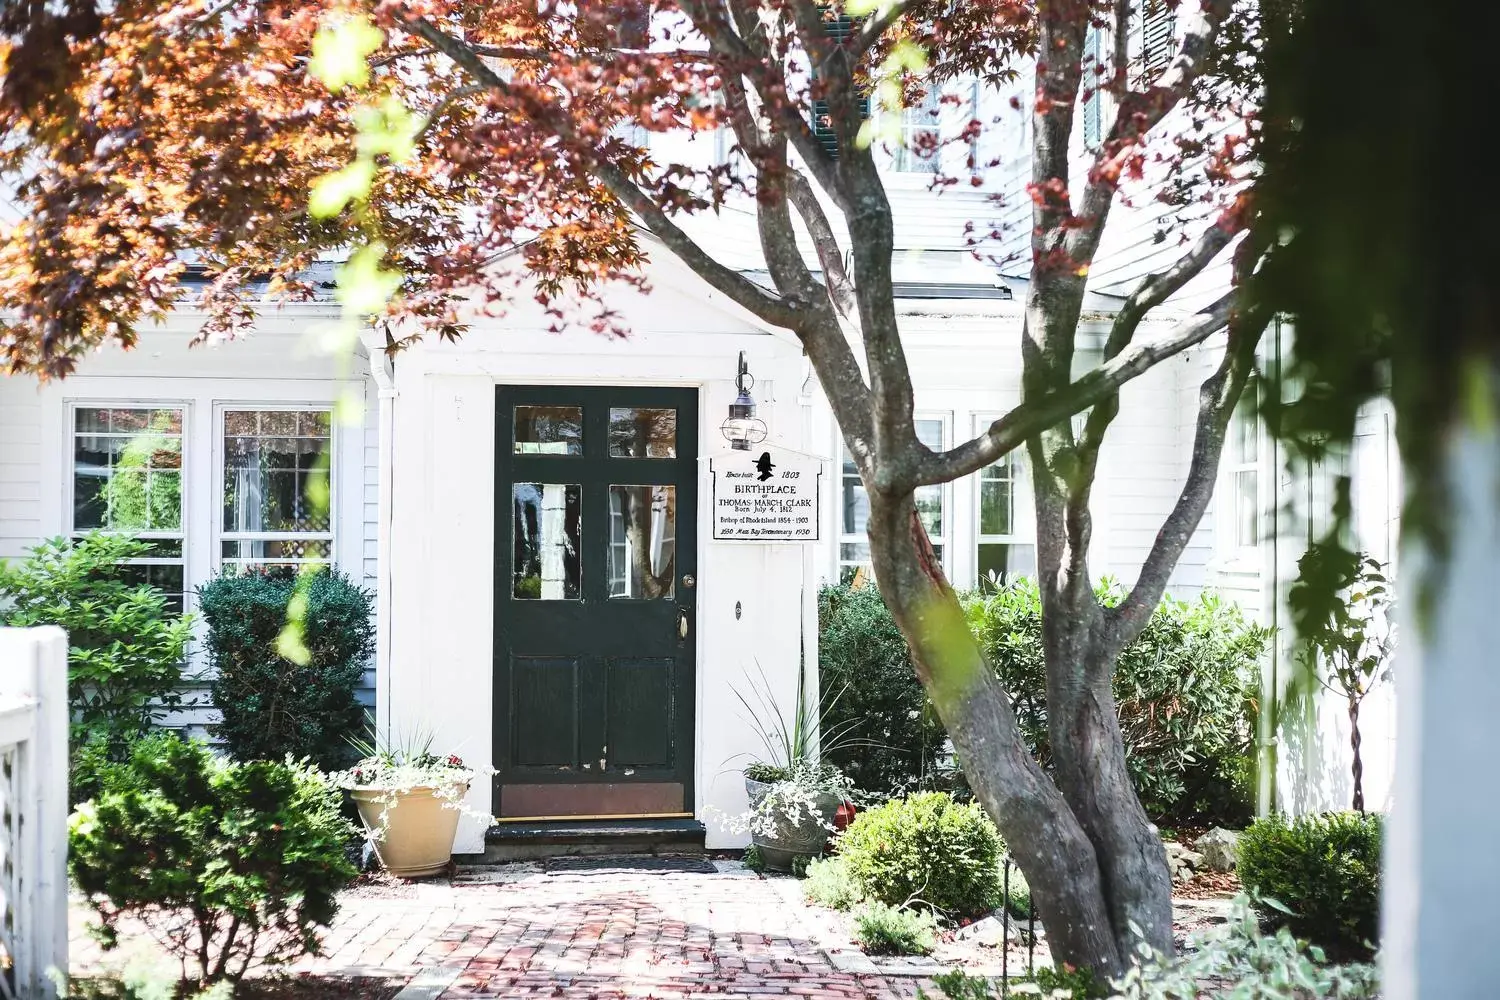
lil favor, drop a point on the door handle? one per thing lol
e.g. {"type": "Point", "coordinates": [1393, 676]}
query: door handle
{"type": "Point", "coordinates": [682, 623]}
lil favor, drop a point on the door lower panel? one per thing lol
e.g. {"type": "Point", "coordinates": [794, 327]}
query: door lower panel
{"type": "Point", "coordinates": [634, 798]}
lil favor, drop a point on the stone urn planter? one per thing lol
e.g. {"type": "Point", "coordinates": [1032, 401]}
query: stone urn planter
{"type": "Point", "coordinates": [806, 837]}
{"type": "Point", "coordinates": [412, 829]}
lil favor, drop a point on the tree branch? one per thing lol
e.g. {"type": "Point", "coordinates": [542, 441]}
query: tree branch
{"type": "Point", "coordinates": [741, 55]}
{"type": "Point", "coordinates": [1037, 414]}
{"type": "Point", "coordinates": [778, 310]}
{"type": "Point", "coordinates": [825, 242]}
{"type": "Point", "coordinates": [870, 34]}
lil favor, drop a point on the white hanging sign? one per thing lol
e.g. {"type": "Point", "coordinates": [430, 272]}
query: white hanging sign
{"type": "Point", "coordinates": [766, 495]}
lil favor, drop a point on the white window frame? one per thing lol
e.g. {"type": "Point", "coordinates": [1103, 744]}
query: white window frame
{"type": "Point", "coordinates": [902, 177]}
{"type": "Point", "coordinates": [202, 446]}
{"type": "Point", "coordinates": [1237, 556]}
{"type": "Point", "coordinates": [1022, 509]}
{"type": "Point", "coordinates": [69, 529]}
{"type": "Point", "coordinates": [331, 536]}
{"type": "Point", "coordinates": [944, 542]}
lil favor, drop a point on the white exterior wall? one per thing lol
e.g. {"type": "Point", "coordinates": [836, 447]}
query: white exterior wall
{"type": "Point", "coordinates": [442, 533]}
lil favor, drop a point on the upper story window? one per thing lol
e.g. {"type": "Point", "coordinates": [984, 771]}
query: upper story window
{"type": "Point", "coordinates": [127, 478]}
{"type": "Point", "coordinates": [919, 151]}
{"type": "Point", "coordinates": [277, 505]}
{"type": "Point", "coordinates": [854, 514]}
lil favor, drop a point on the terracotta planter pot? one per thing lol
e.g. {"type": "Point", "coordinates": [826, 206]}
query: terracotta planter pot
{"type": "Point", "coordinates": [419, 828]}
{"type": "Point", "coordinates": [789, 840]}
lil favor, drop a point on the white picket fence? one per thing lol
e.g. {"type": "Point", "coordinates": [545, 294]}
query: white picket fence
{"type": "Point", "coordinates": [33, 812]}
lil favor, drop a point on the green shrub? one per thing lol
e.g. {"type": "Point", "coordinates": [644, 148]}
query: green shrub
{"type": "Point", "coordinates": [1048, 981]}
{"type": "Point", "coordinates": [753, 860]}
{"type": "Point", "coordinates": [1185, 690]}
{"type": "Point", "coordinates": [273, 706]}
{"type": "Point", "coordinates": [925, 849]}
{"type": "Point", "coordinates": [828, 883]}
{"type": "Point", "coordinates": [892, 930]}
{"type": "Point", "coordinates": [1235, 956]}
{"type": "Point", "coordinates": [1325, 870]}
{"type": "Point", "coordinates": [892, 737]}
{"type": "Point", "coordinates": [225, 864]}
{"type": "Point", "coordinates": [125, 645]}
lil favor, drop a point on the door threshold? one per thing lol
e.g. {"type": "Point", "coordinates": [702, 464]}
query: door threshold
{"type": "Point", "coordinates": [591, 818]}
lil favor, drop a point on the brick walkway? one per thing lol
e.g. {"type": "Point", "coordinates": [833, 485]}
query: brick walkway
{"type": "Point", "coordinates": [520, 932]}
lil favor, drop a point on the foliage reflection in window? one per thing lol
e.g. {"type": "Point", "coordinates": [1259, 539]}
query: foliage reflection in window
{"type": "Point", "coordinates": [127, 479]}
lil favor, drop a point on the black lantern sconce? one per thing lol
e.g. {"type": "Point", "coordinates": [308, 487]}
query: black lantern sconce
{"type": "Point", "coordinates": [743, 428]}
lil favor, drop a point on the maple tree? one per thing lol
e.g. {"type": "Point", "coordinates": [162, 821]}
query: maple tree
{"type": "Point", "coordinates": [461, 131]}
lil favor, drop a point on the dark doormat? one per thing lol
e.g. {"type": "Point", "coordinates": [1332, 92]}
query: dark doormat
{"type": "Point", "coordinates": [635, 863]}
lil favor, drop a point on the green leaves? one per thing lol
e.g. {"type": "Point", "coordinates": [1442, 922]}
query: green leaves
{"type": "Point", "coordinates": [1185, 691]}
{"type": "Point", "coordinates": [178, 829]}
{"type": "Point", "coordinates": [341, 51]}
{"type": "Point", "coordinates": [332, 193]}
{"type": "Point", "coordinates": [126, 646]}
{"type": "Point", "coordinates": [365, 286]}
{"type": "Point", "coordinates": [925, 848]}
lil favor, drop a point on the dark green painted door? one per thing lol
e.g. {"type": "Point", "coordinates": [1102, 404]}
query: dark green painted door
{"type": "Point", "coordinates": [596, 502]}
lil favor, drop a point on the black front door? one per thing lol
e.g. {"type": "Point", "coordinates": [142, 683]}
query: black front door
{"type": "Point", "coordinates": [596, 537]}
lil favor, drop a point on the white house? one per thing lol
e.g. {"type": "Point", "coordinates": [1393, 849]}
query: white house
{"type": "Point", "coordinates": [537, 511]}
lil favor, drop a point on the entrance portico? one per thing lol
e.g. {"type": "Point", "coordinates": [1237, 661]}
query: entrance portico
{"type": "Point", "coordinates": [557, 609]}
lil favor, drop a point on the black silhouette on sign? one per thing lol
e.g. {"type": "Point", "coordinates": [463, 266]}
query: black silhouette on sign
{"type": "Point", "coordinates": [763, 466]}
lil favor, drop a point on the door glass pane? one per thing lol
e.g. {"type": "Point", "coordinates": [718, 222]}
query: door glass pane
{"type": "Point", "coordinates": [642, 432]}
{"type": "Point", "coordinates": [642, 541]}
{"type": "Point", "coordinates": [546, 539]}
{"type": "Point", "coordinates": [549, 430]}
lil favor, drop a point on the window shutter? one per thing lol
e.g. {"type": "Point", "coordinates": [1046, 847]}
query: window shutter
{"type": "Point", "coordinates": [1093, 112]}
{"type": "Point", "coordinates": [1158, 38]}
{"type": "Point", "coordinates": [839, 29]}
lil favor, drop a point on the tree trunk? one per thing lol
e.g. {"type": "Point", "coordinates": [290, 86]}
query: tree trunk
{"type": "Point", "coordinates": [1054, 850]}
{"type": "Point", "coordinates": [1359, 765]}
{"type": "Point", "coordinates": [1090, 767]}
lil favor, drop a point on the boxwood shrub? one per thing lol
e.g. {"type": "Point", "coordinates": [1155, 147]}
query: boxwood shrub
{"type": "Point", "coordinates": [271, 705]}
{"type": "Point", "coordinates": [925, 850]}
{"type": "Point", "coordinates": [1325, 870]}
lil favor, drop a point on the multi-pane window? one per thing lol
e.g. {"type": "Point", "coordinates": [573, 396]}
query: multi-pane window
{"type": "Point", "coordinates": [127, 478]}
{"type": "Point", "coordinates": [1242, 464]}
{"type": "Point", "coordinates": [919, 151]}
{"type": "Point", "coordinates": [277, 508]}
{"type": "Point", "coordinates": [931, 502]}
{"type": "Point", "coordinates": [1002, 551]}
